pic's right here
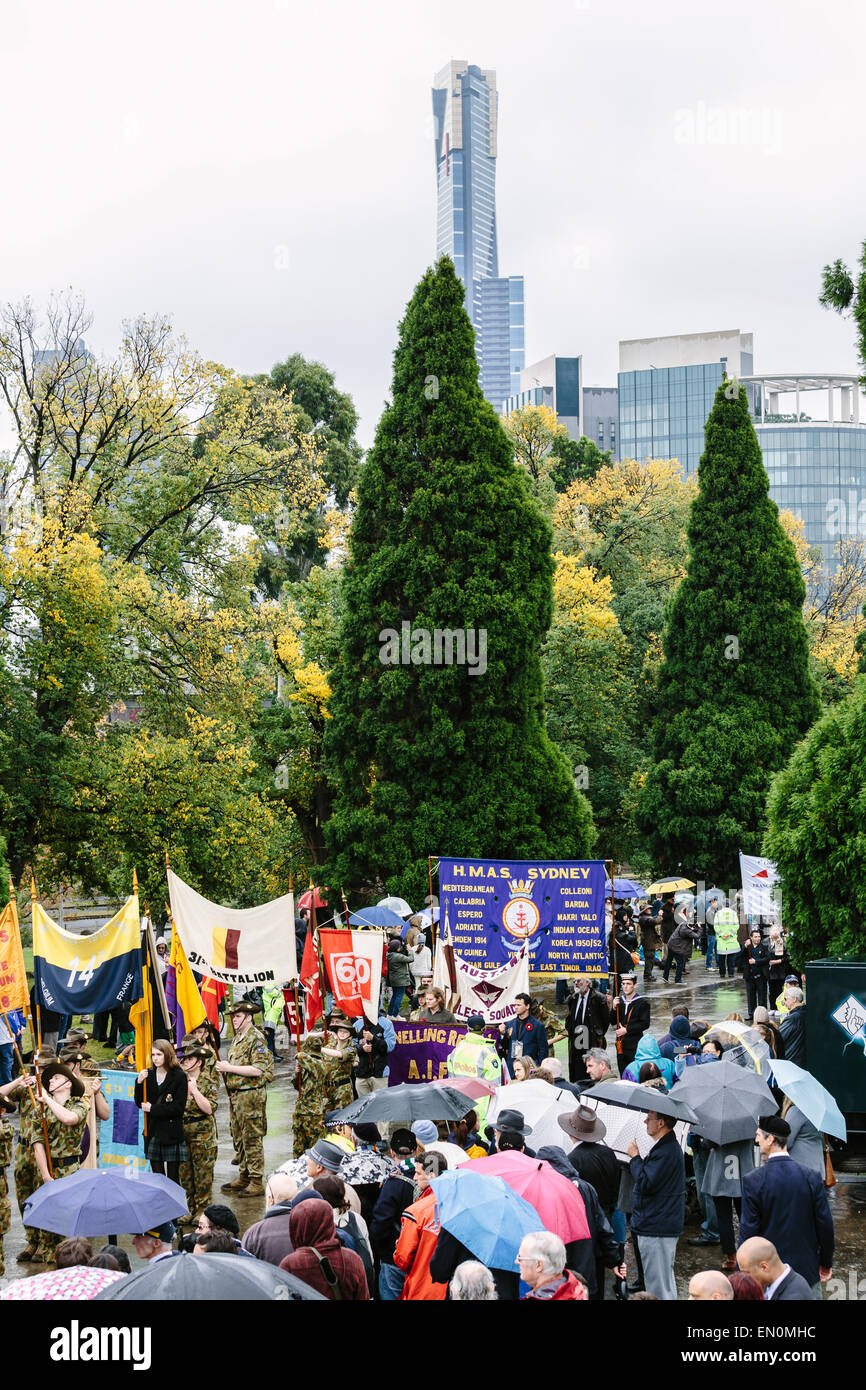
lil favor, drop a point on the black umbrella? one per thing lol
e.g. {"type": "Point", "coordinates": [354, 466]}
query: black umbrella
{"type": "Point", "coordinates": [633, 1096]}
{"type": "Point", "coordinates": [406, 1104]}
{"type": "Point", "coordinates": [180, 1278]}
{"type": "Point", "coordinates": [727, 1100]}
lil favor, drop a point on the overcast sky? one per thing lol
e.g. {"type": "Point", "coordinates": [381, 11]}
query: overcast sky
{"type": "Point", "coordinates": [263, 171]}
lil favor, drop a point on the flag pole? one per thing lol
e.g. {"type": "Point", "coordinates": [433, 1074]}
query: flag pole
{"type": "Point", "coordinates": [433, 931]}
{"type": "Point", "coordinates": [38, 1039]}
{"type": "Point", "coordinates": [315, 931]}
{"type": "Point", "coordinates": [39, 1047]}
{"type": "Point", "coordinates": [345, 908]}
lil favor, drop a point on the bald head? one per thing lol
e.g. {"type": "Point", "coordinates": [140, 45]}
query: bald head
{"type": "Point", "coordinates": [280, 1188]}
{"type": "Point", "coordinates": [760, 1258]}
{"type": "Point", "coordinates": [708, 1286]}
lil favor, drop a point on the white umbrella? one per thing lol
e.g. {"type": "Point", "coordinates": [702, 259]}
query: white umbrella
{"type": "Point", "coordinates": [398, 905]}
{"type": "Point", "coordinates": [452, 1153]}
{"type": "Point", "coordinates": [539, 1103]}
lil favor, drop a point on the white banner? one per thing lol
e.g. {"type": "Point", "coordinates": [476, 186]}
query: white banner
{"type": "Point", "coordinates": [758, 877]}
{"type": "Point", "coordinates": [237, 946]}
{"type": "Point", "coordinates": [487, 992]}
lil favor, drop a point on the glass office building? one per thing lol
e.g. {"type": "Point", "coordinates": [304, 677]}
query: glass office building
{"type": "Point", "coordinates": [667, 387]}
{"type": "Point", "coordinates": [814, 448]}
{"type": "Point", "coordinates": [465, 110]}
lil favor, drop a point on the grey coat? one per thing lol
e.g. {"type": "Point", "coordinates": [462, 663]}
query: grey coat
{"type": "Point", "coordinates": [806, 1144]}
{"type": "Point", "coordinates": [722, 1178]}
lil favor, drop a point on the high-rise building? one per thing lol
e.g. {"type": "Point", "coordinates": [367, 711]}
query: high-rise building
{"type": "Point", "coordinates": [465, 111]}
{"type": "Point", "coordinates": [601, 417]}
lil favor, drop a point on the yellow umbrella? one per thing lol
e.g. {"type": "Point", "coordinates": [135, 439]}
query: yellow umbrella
{"type": "Point", "coordinates": [671, 885]}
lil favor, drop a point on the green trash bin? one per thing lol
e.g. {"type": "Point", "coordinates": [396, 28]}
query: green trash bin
{"type": "Point", "coordinates": [836, 1035]}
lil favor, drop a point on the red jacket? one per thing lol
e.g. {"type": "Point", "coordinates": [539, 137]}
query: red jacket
{"type": "Point", "coordinates": [572, 1288]}
{"type": "Point", "coordinates": [419, 1231]}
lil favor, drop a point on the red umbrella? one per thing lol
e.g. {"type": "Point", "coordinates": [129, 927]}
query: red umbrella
{"type": "Point", "coordinates": [306, 898]}
{"type": "Point", "coordinates": [557, 1201]}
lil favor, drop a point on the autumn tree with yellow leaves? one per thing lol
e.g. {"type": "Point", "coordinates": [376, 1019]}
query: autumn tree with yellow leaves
{"type": "Point", "coordinates": [133, 498]}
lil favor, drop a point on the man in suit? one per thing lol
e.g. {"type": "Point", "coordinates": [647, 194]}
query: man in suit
{"type": "Point", "coordinates": [781, 1283]}
{"type": "Point", "coordinates": [586, 1023]}
{"type": "Point", "coordinates": [631, 1016]}
{"type": "Point", "coordinates": [787, 1205]}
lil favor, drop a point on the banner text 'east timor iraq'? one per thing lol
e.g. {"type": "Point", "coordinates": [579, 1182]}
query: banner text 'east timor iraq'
{"type": "Point", "coordinates": [494, 905]}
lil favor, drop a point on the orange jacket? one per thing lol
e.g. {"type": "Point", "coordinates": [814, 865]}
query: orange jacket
{"type": "Point", "coordinates": [419, 1231]}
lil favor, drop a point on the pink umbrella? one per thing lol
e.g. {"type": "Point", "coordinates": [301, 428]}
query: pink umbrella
{"type": "Point", "coordinates": [470, 1086]}
{"type": "Point", "coordinates": [557, 1201]}
{"type": "Point", "coordinates": [79, 1282]}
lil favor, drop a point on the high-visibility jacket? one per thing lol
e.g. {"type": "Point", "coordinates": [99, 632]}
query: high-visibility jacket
{"type": "Point", "coordinates": [727, 925]}
{"type": "Point", "coordinates": [474, 1056]}
{"type": "Point", "coordinates": [274, 1003]}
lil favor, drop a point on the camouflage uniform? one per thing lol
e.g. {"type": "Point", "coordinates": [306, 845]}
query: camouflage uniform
{"type": "Point", "coordinates": [312, 1081]}
{"type": "Point", "coordinates": [25, 1172]}
{"type": "Point", "coordinates": [200, 1137]}
{"type": "Point", "coordinates": [64, 1142]}
{"type": "Point", "coordinates": [247, 1096]}
{"type": "Point", "coordinates": [339, 1079]}
{"type": "Point", "coordinates": [5, 1204]}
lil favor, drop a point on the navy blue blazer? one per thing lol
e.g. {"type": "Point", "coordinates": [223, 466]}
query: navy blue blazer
{"type": "Point", "coordinates": [793, 1289]}
{"type": "Point", "coordinates": [787, 1204]}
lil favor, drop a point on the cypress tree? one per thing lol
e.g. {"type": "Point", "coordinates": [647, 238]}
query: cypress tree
{"type": "Point", "coordinates": [815, 818]}
{"type": "Point", "coordinates": [429, 758]}
{"type": "Point", "coordinates": [734, 693]}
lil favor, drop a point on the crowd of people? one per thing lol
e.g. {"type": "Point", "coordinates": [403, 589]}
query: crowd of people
{"type": "Point", "coordinates": [353, 1213]}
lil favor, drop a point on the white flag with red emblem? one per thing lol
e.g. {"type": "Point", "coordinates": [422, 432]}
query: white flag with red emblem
{"type": "Point", "coordinates": [759, 877]}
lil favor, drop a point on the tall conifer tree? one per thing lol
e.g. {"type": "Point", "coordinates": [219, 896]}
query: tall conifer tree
{"type": "Point", "coordinates": [434, 758]}
{"type": "Point", "coordinates": [734, 693]}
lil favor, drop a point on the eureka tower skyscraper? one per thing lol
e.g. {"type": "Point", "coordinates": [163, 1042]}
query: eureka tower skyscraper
{"type": "Point", "coordinates": [465, 111]}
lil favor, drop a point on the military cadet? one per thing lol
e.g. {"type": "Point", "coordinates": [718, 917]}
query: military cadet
{"type": "Point", "coordinates": [5, 1160]}
{"type": "Point", "coordinates": [341, 1055]}
{"type": "Point", "coordinates": [66, 1108]}
{"type": "Point", "coordinates": [24, 1169]}
{"type": "Point", "coordinates": [199, 1130]}
{"type": "Point", "coordinates": [82, 1065]}
{"type": "Point", "coordinates": [249, 1068]}
{"type": "Point", "coordinates": [312, 1080]}
{"type": "Point", "coordinates": [198, 1038]}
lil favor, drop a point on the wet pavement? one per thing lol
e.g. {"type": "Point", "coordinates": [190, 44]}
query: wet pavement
{"type": "Point", "coordinates": [706, 996]}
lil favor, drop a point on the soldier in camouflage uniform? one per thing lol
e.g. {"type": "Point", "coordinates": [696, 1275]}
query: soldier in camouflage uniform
{"type": "Point", "coordinates": [5, 1160]}
{"type": "Point", "coordinates": [25, 1171]}
{"type": "Point", "coordinates": [199, 1129]}
{"type": "Point", "coordinates": [341, 1055]}
{"type": "Point", "coordinates": [199, 1037]}
{"type": "Point", "coordinates": [66, 1109]}
{"type": "Point", "coordinates": [246, 1073]}
{"type": "Point", "coordinates": [312, 1081]}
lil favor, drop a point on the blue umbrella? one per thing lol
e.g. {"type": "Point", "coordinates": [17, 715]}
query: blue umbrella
{"type": "Point", "coordinates": [627, 888]}
{"type": "Point", "coordinates": [485, 1215]}
{"type": "Point", "coordinates": [815, 1101]}
{"type": "Point", "coordinates": [96, 1201]}
{"type": "Point", "coordinates": [376, 917]}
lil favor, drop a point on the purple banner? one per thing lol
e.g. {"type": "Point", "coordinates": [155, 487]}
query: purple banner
{"type": "Point", "coordinates": [421, 1050]}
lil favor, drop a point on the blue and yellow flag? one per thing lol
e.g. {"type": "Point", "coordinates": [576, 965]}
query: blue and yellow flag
{"type": "Point", "coordinates": [87, 974]}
